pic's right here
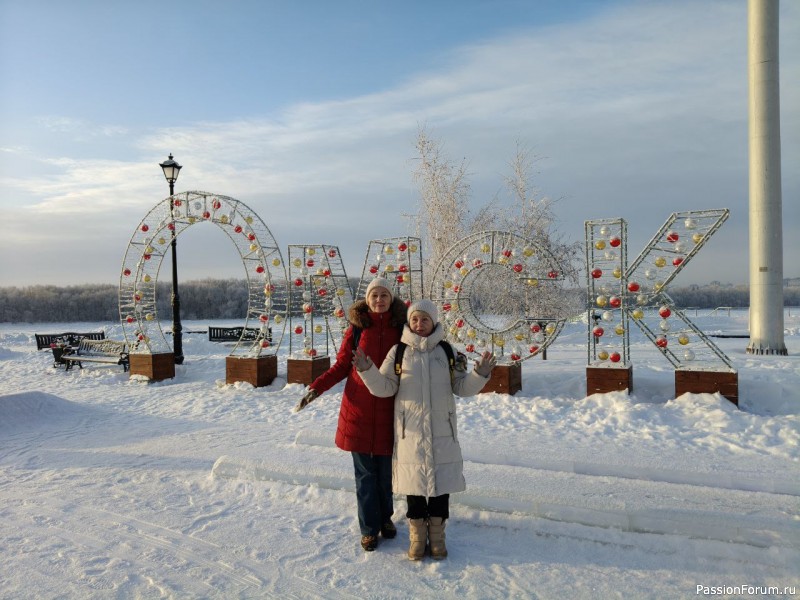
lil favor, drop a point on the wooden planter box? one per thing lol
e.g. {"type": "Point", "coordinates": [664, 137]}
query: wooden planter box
{"type": "Point", "coordinates": [600, 380]}
{"type": "Point", "coordinates": [505, 379]}
{"type": "Point", "coordinates": [306, 370]}
{"type": "Point", "coordinates": [708, 382]}
{"type": "Point", "coordinates": [258, 372]}
{"type": "Point", "coordinates": [155, 367]}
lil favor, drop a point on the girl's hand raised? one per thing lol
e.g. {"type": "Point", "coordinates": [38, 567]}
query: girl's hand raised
{"type": "Point", "coordinates": [361, 361]}
{"type": "Point", "coordinates": [485, 364]}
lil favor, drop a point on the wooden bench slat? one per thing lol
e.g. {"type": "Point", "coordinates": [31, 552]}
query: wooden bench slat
{"type": "Point", "coordinates": [98, 351]}
{"type": "Point", "coordinates": [233, 334]}
{"type": "Point", "coordinates": [71, 338]}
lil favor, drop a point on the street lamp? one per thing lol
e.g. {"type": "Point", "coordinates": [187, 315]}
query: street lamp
{"type": "Point", "coordinates": [171, 170]}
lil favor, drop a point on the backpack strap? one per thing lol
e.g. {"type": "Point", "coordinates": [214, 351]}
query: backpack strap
{"type": "Point", "coordinates": [356, 335]}
{"type": "Point", "coordinates": [398, 358]}
{"type": "Point", "coordinates": [448, 350]}
{"type": "Point", "coordinates": [451, 359]}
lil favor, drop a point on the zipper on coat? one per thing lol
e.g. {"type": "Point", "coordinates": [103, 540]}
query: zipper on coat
{"type": "Point", "coordinates": [450, 420]}
{"type": "Point", "coordinates": [374, 415]}
{"type": "Point", "coordinates": [403, 436]}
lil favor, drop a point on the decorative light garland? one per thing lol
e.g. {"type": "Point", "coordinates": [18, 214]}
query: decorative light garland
{"type": "Point", "coordinates": [261, 257]}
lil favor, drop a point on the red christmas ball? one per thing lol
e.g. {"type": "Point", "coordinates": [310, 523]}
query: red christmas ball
{"type": "Point", "coordinates": [614, 357]}
{"type": "Point", "coordinates": [206, 214]}
{"type": "Point", "coordinates": [446, 306]}
{"type": "Point", "coordinates": [633, 286]}
{"type": "Point", "coordinates": [373, 269]}
{"type": "Point", "coordinates": [177, 202]}
{"type": "Point", "coordinates": [460, 323]}
{"type": "Point", "coordinates": [145, 227]}
{"type": "Point", "coordinates": [664, 311]}
{"type": "Point", "coordinates": [259, 269]}
{"type": "Point", "coordinates": [171, 226]}
{"type": "Point", "coordinates": [536, 328]}
{"type": "Point", "coordinates": [515, 356]}
{"type": "Point", "coordinates": [312, 352]}
{"type": "Point", "coordinates": [661, 341]}
{"type": "Point", "coordinates": [238, 229]}
{"type": "Point", "coordinates": [677, 261]}
{"type": "Point", "coordinates": [597, 273]}
{"type": "Point", "coordinates": [517, 268]}
{"type": "Point", "coordinates": [403, 268]}
{"type": "Point", "coordinates": [477, 262]}
{"type": "Point", "coordinates": [298, 282]}
{"type": "Point", "coordinates": [264, 318]}
{"type": "Point", "coordinates": [458, 264]}
{"type": "Point", "coordinates": [332, 253]}
{"type": "Point", "coordinates": [598, 332]}
{"type": "Point", "coordinates": [216, 204]}
{"type": "Point", "coordinates": [402, 246]}
{"type": "Point", "coordinates": [130, 319]}
{"type": "Point", "coordinates": [298, 330]}
{"type": "Point", "coordinates": [251, 236]}
{"type": "Point", "coordinates": [469, 348]}
{"type": "Point", "coordinates": [672, 237]}
{"type": "Point", "coordinates": [265, 343]}
{"type": "Point", "coordinates": [147, 257]}
{"type": "Point", "coordinates": [614, 242]}
{"type": "Point", "coordinates": [533, 349]}
{"type": "Point", "coordinates": [322, 292]}
{"type": "Point", "coordinates": [552, 274]}
{"type": "Point", "coordinates": [507, 253]}
{"type": "Point", "coordinates": [615, 301]}
{"type": "Point", "coordinates": [126, 272]}
{"type": "Point", "coordinates": [310, 262]}
{"type": "Point", "coordinates": [326, 272]}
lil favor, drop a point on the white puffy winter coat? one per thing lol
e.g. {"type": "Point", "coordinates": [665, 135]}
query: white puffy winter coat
{"type": "Point", "coordinates": [426, 460]}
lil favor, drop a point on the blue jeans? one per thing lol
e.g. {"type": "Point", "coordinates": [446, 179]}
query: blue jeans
{"type": "Point", "coordinates": [373, 491]}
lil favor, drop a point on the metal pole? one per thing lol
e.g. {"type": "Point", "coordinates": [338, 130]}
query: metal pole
{"type": "Point", "coordinates": [177, 329]}
{"type": "Point", "coordinates": [766, 236]}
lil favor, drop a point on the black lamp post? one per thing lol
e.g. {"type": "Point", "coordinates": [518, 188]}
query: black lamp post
{"type": "Point", "coordinates": [171, 170]}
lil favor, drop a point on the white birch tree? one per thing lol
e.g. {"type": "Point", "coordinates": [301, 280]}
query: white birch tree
{"type": "Point", "coordinates": [444, 218]}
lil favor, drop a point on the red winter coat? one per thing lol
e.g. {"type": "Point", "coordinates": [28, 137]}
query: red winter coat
{"type": "Point", "coordinates": [366, 422]}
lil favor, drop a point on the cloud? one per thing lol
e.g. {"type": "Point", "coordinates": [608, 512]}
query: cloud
{"type": "Point", "coordinates": [641, 111]}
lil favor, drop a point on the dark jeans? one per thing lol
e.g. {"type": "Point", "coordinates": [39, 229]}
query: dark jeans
{"type": "Point", "coordinates": [420, 507]}
{"type": "Point", "coordinates": [373, 491]}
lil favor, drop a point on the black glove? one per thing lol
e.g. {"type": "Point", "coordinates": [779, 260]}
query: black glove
{"type": "Point", "coordinates": [306, 400]}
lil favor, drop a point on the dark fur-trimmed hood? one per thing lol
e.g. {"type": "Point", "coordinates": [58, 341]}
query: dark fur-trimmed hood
{"type": "Point", "coordinates": [358, 315]}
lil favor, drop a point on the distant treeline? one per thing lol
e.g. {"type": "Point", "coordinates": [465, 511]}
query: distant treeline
{"type": "Point", "coordinates": [227, 299]}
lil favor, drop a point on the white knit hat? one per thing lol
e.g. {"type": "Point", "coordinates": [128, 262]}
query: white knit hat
{"type": "Point", "coordinates": [425, 306]}
{"type": "Point", "coordinates": [379, 282]}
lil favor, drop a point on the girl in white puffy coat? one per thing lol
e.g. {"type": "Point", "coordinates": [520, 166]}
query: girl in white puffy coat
{"type": "Point", "coordinates": [427, 465]}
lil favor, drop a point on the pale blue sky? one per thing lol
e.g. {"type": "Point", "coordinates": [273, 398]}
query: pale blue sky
{"type": "Point", "coordinates": [308, 111]}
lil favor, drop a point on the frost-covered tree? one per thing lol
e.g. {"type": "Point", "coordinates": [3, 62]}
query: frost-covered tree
{"type": "Point", "coordinates": [442, 219]}
{"type": "Point", "coordinates": [445, 217]}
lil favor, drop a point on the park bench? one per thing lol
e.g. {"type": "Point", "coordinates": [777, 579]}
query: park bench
{"type": "Point", "coordinates": [68, 338]}
{"type": "Point", "coordinates": [234, 334]}
{"type": "Point", "coordinates": [109, 352]}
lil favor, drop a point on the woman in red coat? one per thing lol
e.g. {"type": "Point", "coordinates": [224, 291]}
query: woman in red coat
{"type": "Point", "coordinates": [366, 422]}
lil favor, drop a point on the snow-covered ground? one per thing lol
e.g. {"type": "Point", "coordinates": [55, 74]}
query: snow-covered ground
{"type": "Point", "coordinates": [111, 487]}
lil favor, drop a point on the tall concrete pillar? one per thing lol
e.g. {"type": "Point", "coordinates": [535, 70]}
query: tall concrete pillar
{"type": "Point", "coordinates": [766, 223]}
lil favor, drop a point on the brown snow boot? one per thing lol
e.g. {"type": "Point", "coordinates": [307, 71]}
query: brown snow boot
{"type": "Point", "coordinates": [436, 536]}
{"type": "Point", "coordinates": [418, 537]}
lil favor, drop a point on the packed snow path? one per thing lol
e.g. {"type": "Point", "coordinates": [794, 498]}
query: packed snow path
{"type": "Point", "coordinates": [112, 487]}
